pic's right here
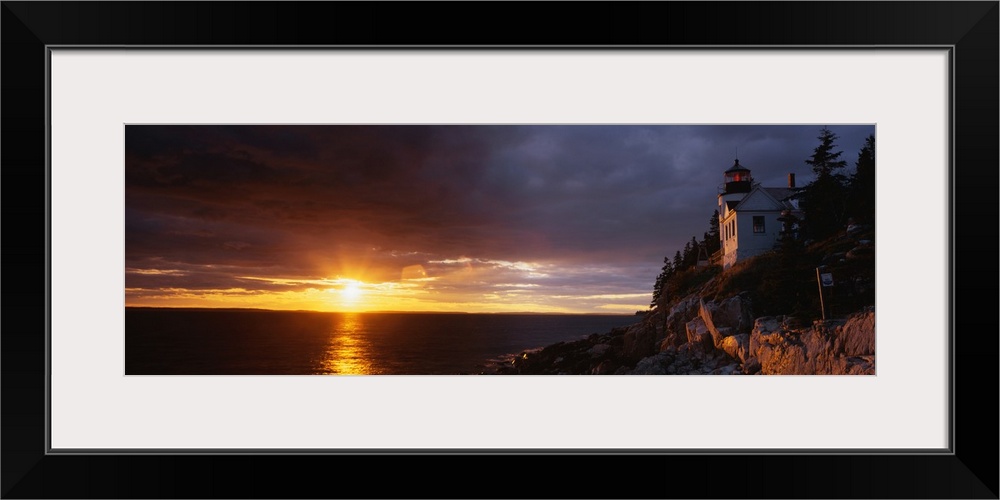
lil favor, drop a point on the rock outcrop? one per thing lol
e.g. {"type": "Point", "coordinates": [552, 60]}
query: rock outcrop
{"type": "Point", "coordinates": [857, 337]}
{"type": "Point", "coordinates": [702, 337]}
{"type": "Point", "coordinates": [674, 326]}
{"type": "Point", "coordinates": [729, 317]}
{"type": "Point", "coordinates": [641, 340]}
{"type": "Point", "coordinates": [835, 347]}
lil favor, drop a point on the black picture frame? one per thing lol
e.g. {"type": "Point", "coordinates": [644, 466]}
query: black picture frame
{"type": "Point", "coordinates": [970, 28]}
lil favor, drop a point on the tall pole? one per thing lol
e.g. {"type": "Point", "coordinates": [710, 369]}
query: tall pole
{"type": "Point", "coordinates": [819, 284]}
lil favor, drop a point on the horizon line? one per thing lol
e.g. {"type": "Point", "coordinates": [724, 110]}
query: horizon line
{"type": "Point", "coordinates": [262, 309]}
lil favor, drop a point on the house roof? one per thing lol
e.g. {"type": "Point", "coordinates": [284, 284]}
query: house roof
{"type": "Point", "coordinates": [780, 194]}
{"type": "Point", "coordinates": [777, 196]}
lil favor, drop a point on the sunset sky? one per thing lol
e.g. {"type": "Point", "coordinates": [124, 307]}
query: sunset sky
{"type": "Point", "coordinates": [474, 218]}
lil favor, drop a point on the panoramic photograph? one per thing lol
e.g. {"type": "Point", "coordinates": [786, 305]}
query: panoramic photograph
{"type": "Point", "coordinates": [563, 249]}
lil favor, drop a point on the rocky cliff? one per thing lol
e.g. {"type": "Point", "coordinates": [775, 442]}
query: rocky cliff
{"type": "Point", "coordinates": [695, 336]}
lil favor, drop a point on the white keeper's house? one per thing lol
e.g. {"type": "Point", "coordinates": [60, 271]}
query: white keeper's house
{"type": "Point", "coordinates": [752, 217]}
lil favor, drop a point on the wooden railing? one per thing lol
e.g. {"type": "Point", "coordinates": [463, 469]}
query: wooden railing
{"type": "Point", "coordinates": [716, 258]}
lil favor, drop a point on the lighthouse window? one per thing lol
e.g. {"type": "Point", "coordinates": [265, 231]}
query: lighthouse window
{"type": "Point", "coordinates": [758, 223]}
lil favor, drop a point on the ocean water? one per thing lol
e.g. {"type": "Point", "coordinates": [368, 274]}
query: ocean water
{"type": "Point", "coordinates": [253, 342]}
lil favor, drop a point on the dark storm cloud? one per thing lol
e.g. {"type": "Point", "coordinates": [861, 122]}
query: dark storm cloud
{"type": "Point", "coordinates": [312, 201]}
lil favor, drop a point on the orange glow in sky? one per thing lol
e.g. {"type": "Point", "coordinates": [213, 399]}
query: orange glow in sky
{"type": "Point", "coordinates": [414, 291]}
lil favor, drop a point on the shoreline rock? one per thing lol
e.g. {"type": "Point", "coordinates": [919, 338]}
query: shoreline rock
{"type": "Point", "coordinates": [698, 337]}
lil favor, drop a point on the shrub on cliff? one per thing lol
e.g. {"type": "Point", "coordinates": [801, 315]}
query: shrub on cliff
{"type": "Point", "coordinates": [777, 284]}
{"type": "Point", "coordinates": [784, 281]}
{"type": "Point", "coordinates": [685, 282]}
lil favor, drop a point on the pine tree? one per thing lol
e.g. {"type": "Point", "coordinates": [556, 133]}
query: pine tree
{"type": "Point", "coordinates": [823, 200]}
{"type": "Point", "coordinates": [692, 259]}
{"type": "Point", "coordinates": [862, 184]}
{"type": "Point", "coordinates": [690, 255]}
{"type": "Point", "coordinates": [825, 161]}
{"type": "Point", "coordinates": [659, 288]}
{"type": "Point", "coordinates": [712, 239]}
{"type": "Point", "coordinates": [678, 261]}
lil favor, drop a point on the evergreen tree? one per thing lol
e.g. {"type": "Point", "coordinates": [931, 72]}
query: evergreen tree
{"type": "Point", "coordinates": [823, 200]}
{"type": "Point", "coordinates": [787, 240]}
{"type": "Point", "coordinates": [678, 261]}
{"type": "Point", "coordinates": [686, 255]}
{"type": "Point", "coordinates": [659, 288]}
{"type": "Point", "coordinates": [692, 259]}
{"type": "Point", "coordinates": [690, 255]}
{"type": "Point", "coordinates": [712, 238]}
{"type": "Point", "coordinates": [824, 160]}
{"type": "Point", "coordinates": [862, 184]}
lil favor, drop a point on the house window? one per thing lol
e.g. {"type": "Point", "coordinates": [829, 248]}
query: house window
{"type": "Point", "coordinates": [758, 223]}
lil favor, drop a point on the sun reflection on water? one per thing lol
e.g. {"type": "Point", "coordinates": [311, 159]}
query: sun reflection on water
{"type": "Point", "coordinates": [347, 351]}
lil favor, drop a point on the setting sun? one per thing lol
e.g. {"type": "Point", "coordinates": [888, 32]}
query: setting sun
{"type": "Point", "coordinates": [351, 292]}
